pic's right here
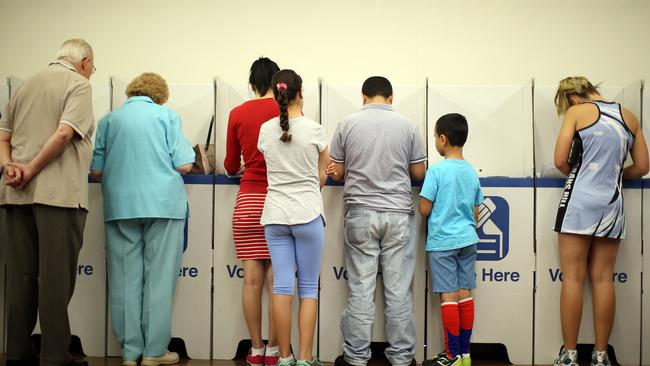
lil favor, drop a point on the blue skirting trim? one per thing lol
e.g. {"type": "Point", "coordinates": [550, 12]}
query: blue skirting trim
{"type": "Point", "coordinates": [187, 179]}
{"type": "Point", "coordinates": [492, 182]}
{"type": "Point", "coordinates": [199, 179]}
{"type": "Point", "coordinates": [497, 182]}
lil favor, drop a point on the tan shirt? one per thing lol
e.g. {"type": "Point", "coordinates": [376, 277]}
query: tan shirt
{"type": "Point", "coordinates": [55, 95]}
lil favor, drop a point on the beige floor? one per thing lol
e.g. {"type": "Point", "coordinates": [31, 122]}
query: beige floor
{"type": "Point", "coordinates": [116, 361]}
{"type": "Point", "coordinates": [112, 361]}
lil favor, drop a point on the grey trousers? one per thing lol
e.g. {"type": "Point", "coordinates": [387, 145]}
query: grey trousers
{"type": "Point", "coordinates": [42, 245]}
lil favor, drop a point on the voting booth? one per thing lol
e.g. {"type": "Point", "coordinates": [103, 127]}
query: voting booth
{"type": "Point", "coordinates": [4, 98]}
{"type": "Point", "coordinates": [645, 331]}
{"type": "Point", "coordinates": [191, 319]}
{"type": "Point", "coordinates": [627, 277]}
{"type": "Point", "coordinates": [500, 126]}
{"type": "Point", "coordinates": [338, 101]}
{"type": "Point", "coordinates": [505, 258]}
{"type": "Point", "coordinates": [229, 323]}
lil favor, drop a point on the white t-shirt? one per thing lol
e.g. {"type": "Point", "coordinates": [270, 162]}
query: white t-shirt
{"type": "Point", "coordinates": [292, 171]}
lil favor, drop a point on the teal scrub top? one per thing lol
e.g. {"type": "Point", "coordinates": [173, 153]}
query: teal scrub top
{"type": "Point", "coordinates": [137, 148]}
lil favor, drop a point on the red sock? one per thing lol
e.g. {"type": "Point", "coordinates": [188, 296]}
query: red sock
{"type": "Point", "coordinates": [451, 327]}
{"type": "Point", "coordinates": [466, 312]}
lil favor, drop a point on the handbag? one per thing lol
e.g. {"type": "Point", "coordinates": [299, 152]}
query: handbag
{"type": "Point", "coordinates": [204, 162]}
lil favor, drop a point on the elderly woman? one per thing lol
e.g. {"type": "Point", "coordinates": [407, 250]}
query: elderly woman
{"type": "Point", "coordinates": [140, 155]}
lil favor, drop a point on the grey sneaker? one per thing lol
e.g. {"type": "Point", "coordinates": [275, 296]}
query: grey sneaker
{"type": "Point", "coordinates": [567, 357]}
{"type": "Point", "coordinates": [599, 358]}
{"type": "Point", "coordinates": [314, 362]}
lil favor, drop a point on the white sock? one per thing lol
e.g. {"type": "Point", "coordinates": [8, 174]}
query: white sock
{"type": "Point", "coordinates": [257, 351]}
{"type": "Point", "coordinates": [272, 351]}
{"type": "Point", "coordinates": [289, 359]}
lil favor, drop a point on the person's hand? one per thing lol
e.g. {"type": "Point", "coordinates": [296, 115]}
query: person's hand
{"type": "Point", "coordinates": [26, 171]}
{"type": "Point", "coordinates": [330, 170]}
{"type": "Point", "coordinates": [13, 176]}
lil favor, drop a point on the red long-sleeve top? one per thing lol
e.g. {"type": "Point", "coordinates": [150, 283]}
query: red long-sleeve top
{"type": "Point", "coordinates": [244, 125]}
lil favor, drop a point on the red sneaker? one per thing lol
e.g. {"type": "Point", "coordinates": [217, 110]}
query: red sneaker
{"type": "Point", "coordinates": [271, 360]}
{"type": "Point", "coordinates": [254, 360]}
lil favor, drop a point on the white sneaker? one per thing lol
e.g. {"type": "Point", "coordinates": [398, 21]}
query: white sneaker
{"type": "Point", "coordinates": [167, 358]}
{"type": "Point", "coordinates": [129, 363]}
{"type": "Point", "coordinates": [599, 358]}
{"type": "Point", "coordinates": [567, 357]}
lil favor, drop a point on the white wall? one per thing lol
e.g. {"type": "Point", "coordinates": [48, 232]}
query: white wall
{"type": "Point", "coordinates": [459, 42]}
{"type": "Point", "coordinates": [451, 41]}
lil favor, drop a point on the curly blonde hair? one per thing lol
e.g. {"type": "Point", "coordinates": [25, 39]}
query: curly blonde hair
{"type": "Point", "coordinates": [573, 85]}
{"type": "Point", "coordinates": [149, 84]}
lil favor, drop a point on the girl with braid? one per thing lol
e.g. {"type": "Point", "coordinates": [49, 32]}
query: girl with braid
{"type": "Point", "coordinates": [296, 155]}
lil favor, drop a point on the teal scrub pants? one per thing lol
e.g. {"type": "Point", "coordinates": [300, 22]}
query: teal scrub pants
{"type": "Point", "coordinates": [144, 258]}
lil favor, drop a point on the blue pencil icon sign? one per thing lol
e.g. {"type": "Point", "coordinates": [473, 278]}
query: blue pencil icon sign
{"type": "Point", "coordinates": [493, 229]}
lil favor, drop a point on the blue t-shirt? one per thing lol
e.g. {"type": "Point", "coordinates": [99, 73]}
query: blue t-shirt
{"type": "Point", "coordinates": [137, 148]}
{"type": "Point", "coordinates": [454, 188]}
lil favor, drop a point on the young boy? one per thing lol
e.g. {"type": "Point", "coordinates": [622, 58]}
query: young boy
{"type": "Point", "coordinates": [450, 197]}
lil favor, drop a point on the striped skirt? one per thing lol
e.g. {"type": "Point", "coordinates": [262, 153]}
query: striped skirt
{"type": "Point", "coordinates": [247, 232]}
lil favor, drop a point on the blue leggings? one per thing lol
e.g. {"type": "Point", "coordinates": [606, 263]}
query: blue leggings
{"type": "Point", "coordinates": [296, 250]}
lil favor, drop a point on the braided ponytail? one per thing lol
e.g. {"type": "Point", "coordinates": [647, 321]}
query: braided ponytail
{"type": "Point", "coordinates": [286, 87]}
{"type": "Point", "coordinates": [283, 102]}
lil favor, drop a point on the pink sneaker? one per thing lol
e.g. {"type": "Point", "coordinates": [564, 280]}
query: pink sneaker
{"type": "Point", "coordinates": [271, 360]}
{"type": "Point", "coordinates": [254, 360]}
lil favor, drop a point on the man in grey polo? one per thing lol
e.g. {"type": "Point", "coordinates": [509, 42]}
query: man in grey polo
{"type": "Point", "coordinates": [378, 152]}
{"type": "Point", "coordinates": [45, 149]}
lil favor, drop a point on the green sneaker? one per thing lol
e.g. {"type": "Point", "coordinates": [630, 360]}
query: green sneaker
{"type": "Point", "coordinates": [285, 362]}
{"type": "Point", "coordinates": [465, 360]}
{"type": "Point", "coordinates": [314, 362]}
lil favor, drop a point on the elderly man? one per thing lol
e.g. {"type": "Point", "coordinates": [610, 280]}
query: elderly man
{"type": "Point", "coordinates": [45, 149]}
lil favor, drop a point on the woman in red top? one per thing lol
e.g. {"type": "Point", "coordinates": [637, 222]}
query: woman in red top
{"type": "Point", "coordinates": [243, 130]}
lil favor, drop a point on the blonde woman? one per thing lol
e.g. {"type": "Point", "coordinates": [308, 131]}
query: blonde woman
{"type": "Point", "coordinates": [140, 155]}
{"type": "Point", "coordinates": [591, 148]}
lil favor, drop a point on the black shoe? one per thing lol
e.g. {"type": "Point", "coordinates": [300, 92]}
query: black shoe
{"type": "Point", "coordinates": [28, 362]}
{"type": "Point", "coordinates": [340, 361]}
{"type": "Point", "coordinates": [77, 363]}
{"type": "Point", "coordinates": [442, 359]}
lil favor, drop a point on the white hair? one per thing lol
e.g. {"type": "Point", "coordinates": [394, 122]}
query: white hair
{"type": "Point", "coordinates": [74, 50]}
